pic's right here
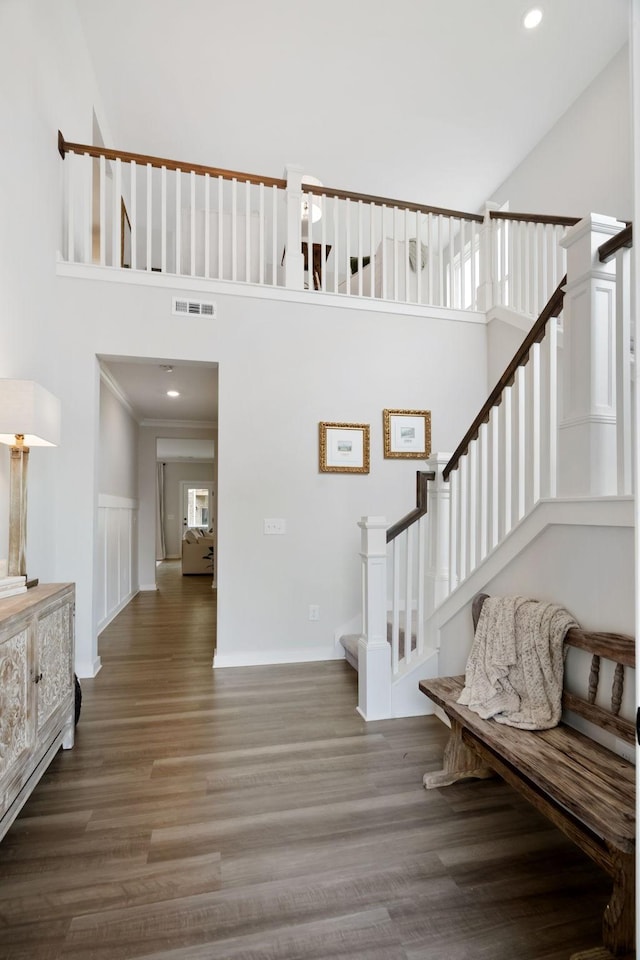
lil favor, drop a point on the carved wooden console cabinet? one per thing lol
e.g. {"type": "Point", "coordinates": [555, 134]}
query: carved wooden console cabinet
{"type": "Point", "coordinates": [36, 689]}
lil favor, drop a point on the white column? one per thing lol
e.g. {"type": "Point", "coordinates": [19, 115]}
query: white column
{"type": "Point", "coordinates": [374, 652]}
{"type": "Point", "coordinates": [293, 259]}
{"type": "Point", "coordinates": [487, 297]}
{"type": "Point", "coordinates": [587, 433]}
{"type": "Point", "coordinates": [438, 532]}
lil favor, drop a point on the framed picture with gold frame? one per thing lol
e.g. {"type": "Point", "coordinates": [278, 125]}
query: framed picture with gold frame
{"type": "Point", "coordinates": [344, 447]}
{"type": "Point", "coordinates": [407, 434]}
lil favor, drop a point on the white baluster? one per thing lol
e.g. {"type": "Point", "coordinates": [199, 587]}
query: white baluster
{"type": "Point", "coordinates": [507, 463]}
{"type": "Point", "coordinates": [521, 437]}
{"type": "Point", "coordinates": [207, 226]}
{"type": "Point", "coordinates": [134, 214]}
{"type": "Point", "coordinates": [383, 249]}
{"type": "Point", "coordinates": [624, 435]}
{"type": "Point", "coordinates": [149, 262]}
{"type": "Point", "coordinates": [396, 276]}
{"type": "Point", "coordinates": [463, 510]}
{"type": "Point", "coordinates": [359, 250]}
{"type": "Point", "coordinates": [336, 247]}
{"type": "Point", "coordinates": [408, 592]}
{"type": "Point", "coordinates": [103, 211]}
{"type": "Point", "coordinates": [163, 219]}
{"type": "Point", "coordinates": [454, 512]}
{"type": "Point", "coordinates": [472, 508]}
{"type": "Point", "coordinates": [474, 285]}
{"type": "Point", "coordinates": [323, 245]}
{"type": "Point", "coordinates": [347, 222]}
{"type": "Point", "coordinates": [234, 229]}
{"type": "Point", "coordinates": [261, 234]}
{"type": "Point", "coordinates": [247, 231]}
{"type": "Point", "coordinates": [372, 249]}
{"type": "Point", "coordinates": [71, 245]}
{"type": "Point", "coordinates": [395, 608]}
{"type": "Point", "coordinates": [274, 237]}
{"type": "Point", "coordinates": [192, 223]}
{"type": "Point", "coordinates": [406, 255]}
{"type": "Point", "coordinates": [495, 477]}
{"type": "Point", "coordinates": [86, 208]}
{"type": "Point", "coordinates": [116, 214]}
{"type": "Point", "coordinates": [178, 244]}
{"type": "Point", "coordinates": [221, 275]}
{"type": "Point", "coordinates": [441, 298]}
{"type": "Point", "coordinates": [536, 441]}
{"type": "Point", "coordinates": [430, 257]}
{"type": "Point", "coordinates": [552, 401]}
{"type": "Point", "coordinates": [483, 492]}
{"type": "Point", "coordinates": [423, 525]}
{"type": "Point", "coordinates": [462, 261]}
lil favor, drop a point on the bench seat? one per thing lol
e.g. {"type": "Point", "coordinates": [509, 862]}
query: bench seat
{"type": "Point", "coordinates": [581, 786]}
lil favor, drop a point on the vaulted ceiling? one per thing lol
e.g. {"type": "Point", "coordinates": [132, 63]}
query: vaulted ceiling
{"type": "Point", "coordinates": [432, 101]}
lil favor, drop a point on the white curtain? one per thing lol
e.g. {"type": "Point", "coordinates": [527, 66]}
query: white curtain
{"type": "Point", "coordinates": [161, 550]}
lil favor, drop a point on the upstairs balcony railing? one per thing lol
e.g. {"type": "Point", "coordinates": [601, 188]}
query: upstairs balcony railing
{"type": "Point", "coordinates": [130, 211]}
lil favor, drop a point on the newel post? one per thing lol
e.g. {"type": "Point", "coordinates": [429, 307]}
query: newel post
{"type": "Point", "coordinates": [587, 434]}
{"type": "Point", "coordinates": [438, 534]}
{"type": "Point", "coordinates": [293, 257]}
{"type": "Point", "coordinates": [488, 287]}
{"type": "Point", "coordinates": [374, 652]}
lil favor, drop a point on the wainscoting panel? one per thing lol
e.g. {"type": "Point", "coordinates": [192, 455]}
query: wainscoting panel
{"type": "Point", "coordinates": [116, 568]}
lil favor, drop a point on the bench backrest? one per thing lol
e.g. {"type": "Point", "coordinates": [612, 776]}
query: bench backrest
{"type": "Point", "coordinates": [620, 649]}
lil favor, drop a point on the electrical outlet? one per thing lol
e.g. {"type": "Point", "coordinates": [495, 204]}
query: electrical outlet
{"type": "Point", "coordinates": [275, 527]}
{"type": "Point", "coordinates": [314, 611]}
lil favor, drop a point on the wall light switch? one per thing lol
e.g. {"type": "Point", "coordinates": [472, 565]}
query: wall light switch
{"type": "Point", "coordinates": [314, 611]}
{"type": "Point", "coordinates": [275, 527]}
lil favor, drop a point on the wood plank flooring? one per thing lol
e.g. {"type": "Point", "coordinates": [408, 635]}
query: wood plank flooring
{"type": "Point", "coordinates": [250, 814]}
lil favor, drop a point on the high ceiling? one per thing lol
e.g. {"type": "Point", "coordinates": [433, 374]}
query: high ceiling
{"type": "Point", "coordinates": [432, 101]}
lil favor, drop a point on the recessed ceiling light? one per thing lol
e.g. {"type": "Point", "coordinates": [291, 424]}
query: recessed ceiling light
{"type": "Point", "coordinates": [173, 393]}
{"type": "Point", "coordinates": [532, 18]}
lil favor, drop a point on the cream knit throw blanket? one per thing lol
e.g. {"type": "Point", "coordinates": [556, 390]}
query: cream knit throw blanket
{"type": "Point", "coordinates": [515, 669]}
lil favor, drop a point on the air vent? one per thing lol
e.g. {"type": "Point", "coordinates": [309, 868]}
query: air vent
{"type": "Point", "coordinates": [193, 308]}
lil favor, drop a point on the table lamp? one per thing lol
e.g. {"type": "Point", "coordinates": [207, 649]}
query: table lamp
{"type": "Point", "coordinates": [29, 417]}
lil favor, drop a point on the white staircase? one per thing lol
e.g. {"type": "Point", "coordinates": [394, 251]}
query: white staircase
{"type": "Point", "coordinates": [549, 457]}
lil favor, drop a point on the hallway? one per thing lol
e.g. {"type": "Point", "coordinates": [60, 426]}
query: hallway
{"type": "Point", "coordinates": [250, 814]}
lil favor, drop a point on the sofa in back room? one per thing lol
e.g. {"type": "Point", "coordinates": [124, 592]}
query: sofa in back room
{"type": "Point", "coordinates": [197, 552]}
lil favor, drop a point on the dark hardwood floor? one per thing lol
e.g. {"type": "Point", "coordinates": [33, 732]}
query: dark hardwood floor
{"type": "Point", "coordinates": [250, 814]}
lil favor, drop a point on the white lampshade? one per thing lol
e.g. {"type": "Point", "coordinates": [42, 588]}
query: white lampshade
{"type": "Point", "coordinates": [27, 408]}
{"type": "Point", "coordinates": [316, 202]}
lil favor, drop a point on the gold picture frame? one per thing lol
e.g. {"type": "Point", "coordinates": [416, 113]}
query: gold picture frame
{"type": "Point", "coordinates": [344, 447]}
{"type": "Point", "coordinates": [407, 434]}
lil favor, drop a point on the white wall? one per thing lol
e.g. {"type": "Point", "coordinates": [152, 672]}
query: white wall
{"type": "Point", "coordinates": [583, 164]}
{"type": "Point", "coordinates": [116, 567]}
{"type": "Point", "coordinates": [46, 82]}
{"type": "Point", "coordinates": [118, 447]}
{"type": "Point", "coordinates": [284, 366]}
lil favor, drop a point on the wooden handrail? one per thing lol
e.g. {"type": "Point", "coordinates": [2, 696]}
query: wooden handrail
{"type": "Point", "coordinates": [422, 484]}
{"type": "Point", "coordinates": [386, 201]}
{"type": "Point", "coordinates": [608, 250]}
{"type": "Point", "coordinates": [535, 335]}
{"type": "Point", "coordinates": [65, 146]}
{"type": "Point", "coordinates": [534, 218]}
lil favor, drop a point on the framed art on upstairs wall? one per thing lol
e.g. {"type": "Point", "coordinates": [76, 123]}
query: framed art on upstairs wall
{"type": "Point", "coordinates": [407, 434]}
{"type": "Point", "coordinates": [344, 447]}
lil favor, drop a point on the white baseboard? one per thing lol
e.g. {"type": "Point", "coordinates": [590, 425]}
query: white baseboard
{"type": "Point", "coordinates": [116, 610]}
{"type": "Point", "coordinates": [262, 658]}
{"type": "Point", "coordinates": [87, 670]}
{"type": "Point", "coordinates": [148, 586]}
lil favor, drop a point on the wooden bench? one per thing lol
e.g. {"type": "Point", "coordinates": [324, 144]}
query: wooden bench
{"type": "Point", "coordinates": [584, 788]}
